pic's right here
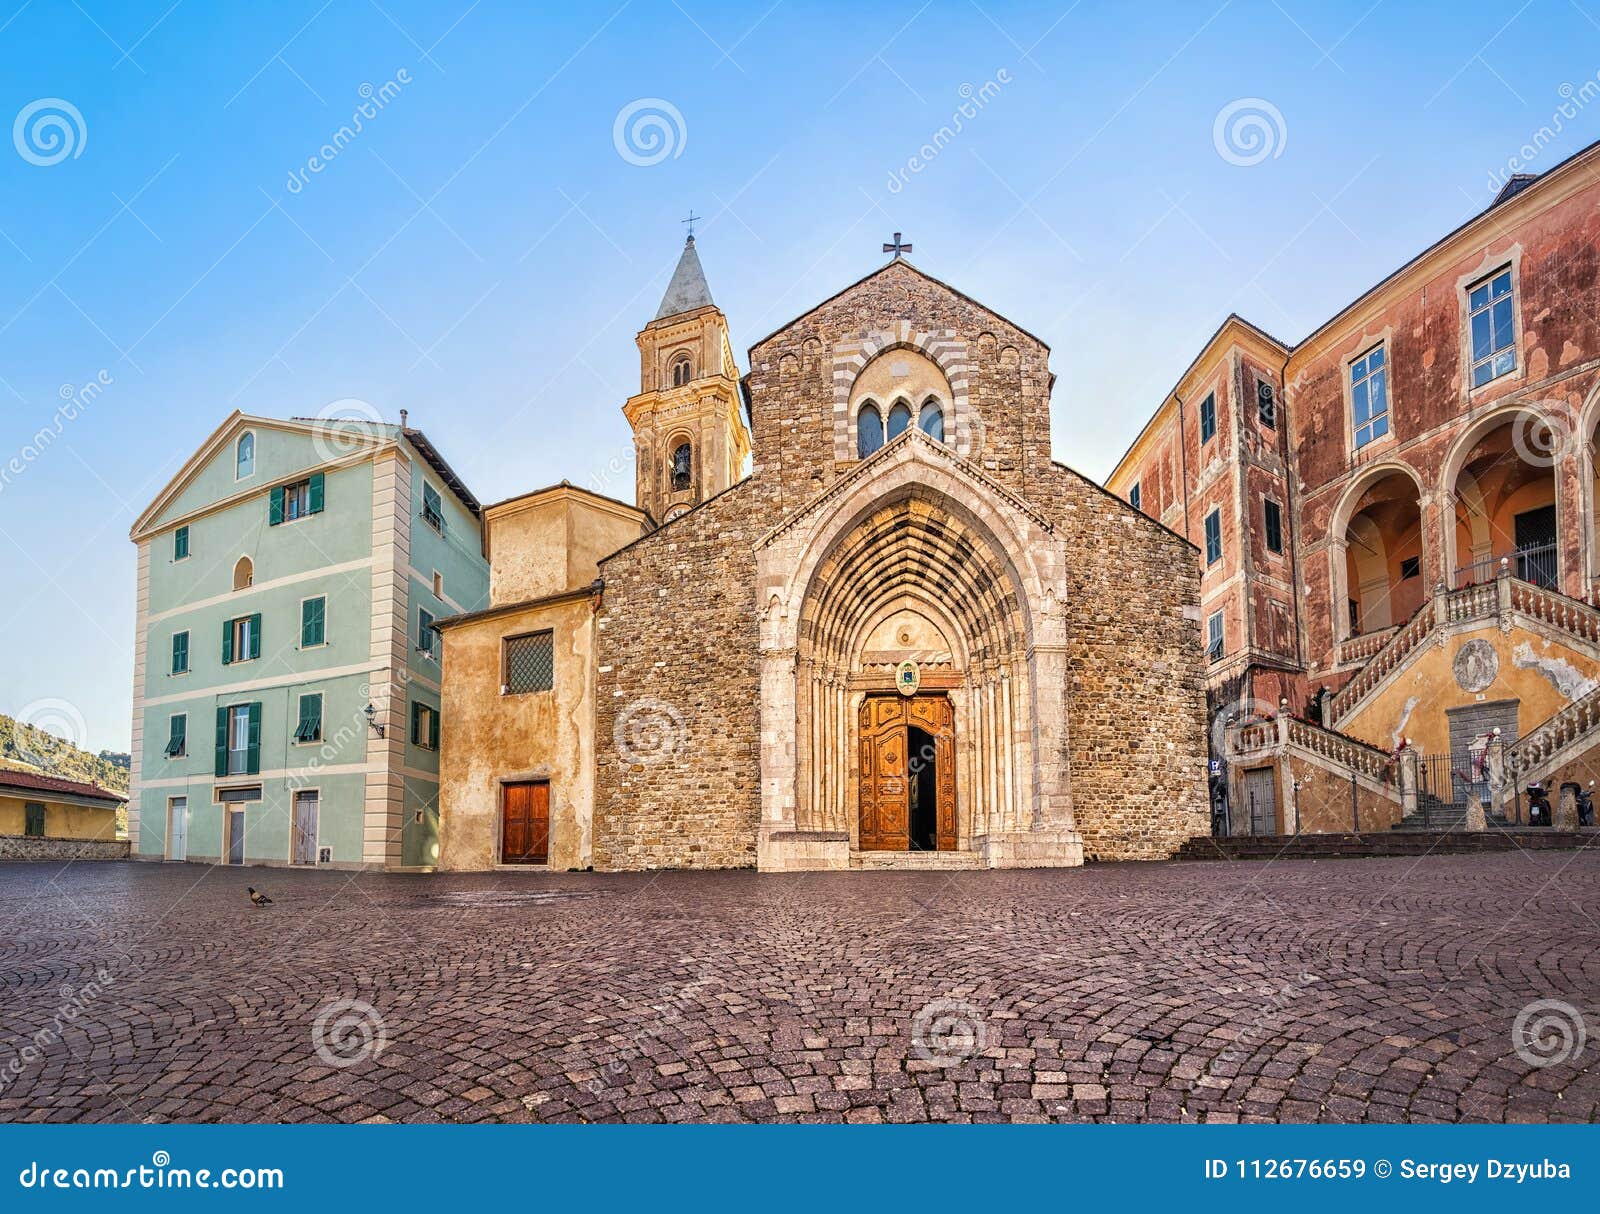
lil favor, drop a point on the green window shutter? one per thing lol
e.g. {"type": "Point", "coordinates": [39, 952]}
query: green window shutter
{"type": "Point", "coordinates": [433, 729]}
{"type": "Point", "coordinates": [180, 543]}
{"type": "Point", "coordinates": [253, 758]}
{"type": "Point", "coordinates": [313, 622]}
{"type": "Point", "coordinates": [222, 741]}
{"type": "Point", "coordinates": [416, 723]}
{"type": "Point", "coordinates": [178, 735]}
{"type": "Point", "coordinates": [180, 652]}
{"type": "Point", "coordinates": [309, 728]}
{"type": "Point", "coordinates": [314, 494]}
{"type": "Point", "coordinates": [255, 635]}
{"type": "Point", "coordinates": [275, 511]}
{"type": "Point", "coordinates": [227, 642]}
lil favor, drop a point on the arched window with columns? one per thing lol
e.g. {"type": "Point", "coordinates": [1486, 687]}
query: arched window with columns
{"type": "Point", "coordinates": [930, 420]}
{"type": "Point", "coordinates": [869, 429]}
{"type": "Point", "coordinates": [899, 419]}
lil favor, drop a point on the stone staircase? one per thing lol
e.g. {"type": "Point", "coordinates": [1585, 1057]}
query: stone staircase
{"type": "Point", "coordinates": [916, 861]}
{"type": "Point", "coordinates": [1351, 846]}
{"type": "Point", "coordinates": [1435, 815]}
{"type": "Point", "coordinates": [1535, 607]}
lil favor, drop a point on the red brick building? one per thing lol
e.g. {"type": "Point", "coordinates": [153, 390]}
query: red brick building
{"type": "Point", "coordinates": [1412, 481]}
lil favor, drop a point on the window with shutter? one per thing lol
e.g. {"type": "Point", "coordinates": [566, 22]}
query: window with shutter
{"type": "Point", "coordinates": [223, 717]}
{"type": "Point", "coordinates": [424, 726]}
{"type": "Point", "coordinates": [313, 622]}
{"type": "Point", "coordinates": [427, 635]}
{"type": "Point", "coordinates": [1208, 418]}
{"type": "Point", "coordinates": [309, 728]}
{"type": "Point", "coordinates": [1272, 516]}
{"type": "Point", "coordinates": [178, 735]}
{"type": "Point", "coordinates": [432, 508]}
{"type": "Point", "coordinates": [253, 742]}
{"type": "Point", "coordinates": [275, 508]}
{"type": "Point", "coordinates": [34, 822]}
{"type": "Point", "coordinates": [180, 653]}
{"type": "Point", "coordinates": [180, 544]}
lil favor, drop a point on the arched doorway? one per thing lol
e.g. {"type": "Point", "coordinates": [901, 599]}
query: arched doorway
{"type": "Point", "coordinates": [1505, 507]}
{"type": "Point", "coordinates": [913, 583]}
{"type": "Point", "coordinates": [1383, 575]}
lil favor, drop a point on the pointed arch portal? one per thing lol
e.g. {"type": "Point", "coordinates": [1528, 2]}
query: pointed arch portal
{"type": "Point", "coordinates": [914, 567]}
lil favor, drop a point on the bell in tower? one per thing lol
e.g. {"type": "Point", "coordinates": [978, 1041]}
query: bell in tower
{"type": "Point", "coordinates": [690, 440]}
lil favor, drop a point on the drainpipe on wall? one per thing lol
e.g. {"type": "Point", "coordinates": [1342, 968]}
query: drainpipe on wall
{"type": "Point", "coordinates": [1183, 462]}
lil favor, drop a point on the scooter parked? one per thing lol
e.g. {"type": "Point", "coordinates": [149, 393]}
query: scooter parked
{"type": "Point", "coordinates": [1538, 805]}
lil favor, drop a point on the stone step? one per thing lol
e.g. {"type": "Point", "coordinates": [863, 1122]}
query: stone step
{"type": "Point", "coordinates": [1381, 843]}
{"type": "Point", "coordinates": [916, 861]}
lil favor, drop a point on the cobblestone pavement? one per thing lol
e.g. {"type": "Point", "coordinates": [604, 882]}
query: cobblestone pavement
{"type": "Point", "coordinates": [1344, 990]}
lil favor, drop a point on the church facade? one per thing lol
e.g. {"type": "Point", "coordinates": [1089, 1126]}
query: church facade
{"type": "Point", "coordinates": [864, 619]}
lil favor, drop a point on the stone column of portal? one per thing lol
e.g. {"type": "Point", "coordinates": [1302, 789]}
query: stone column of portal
{"type": "Point", "coordinates": [777, 740]}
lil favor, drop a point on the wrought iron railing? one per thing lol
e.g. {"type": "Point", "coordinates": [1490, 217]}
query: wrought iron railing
{"type": "Point", "coordinates": [1535, 563]}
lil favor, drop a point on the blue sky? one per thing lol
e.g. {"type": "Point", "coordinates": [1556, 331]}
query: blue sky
{"type": "Point", "coordinates": [482, 252]}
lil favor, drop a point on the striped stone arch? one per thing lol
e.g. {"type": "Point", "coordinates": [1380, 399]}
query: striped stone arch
{"type": "Point", "coordinates": [943, 346]}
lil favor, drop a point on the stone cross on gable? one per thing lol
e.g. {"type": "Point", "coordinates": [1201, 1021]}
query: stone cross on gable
{"type": "Point", "coordinates": [897, 247]}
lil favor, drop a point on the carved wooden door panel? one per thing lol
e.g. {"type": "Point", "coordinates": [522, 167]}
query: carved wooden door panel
{"type": "Point", "coordinates": [945, 748]}
{"type": "Point", "coordinates": [885, 796]}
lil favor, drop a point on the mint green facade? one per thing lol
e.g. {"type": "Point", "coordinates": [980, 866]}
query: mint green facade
{"type": "Point", "coordinates": [314, 614]}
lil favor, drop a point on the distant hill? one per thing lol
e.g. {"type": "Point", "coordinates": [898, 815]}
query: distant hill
{"type": "Point", "coordinates": [31, 749]}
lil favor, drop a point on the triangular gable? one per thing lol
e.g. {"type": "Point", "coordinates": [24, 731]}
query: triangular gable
{"type": "Point", "coordinates": [901, 263]}
{"type": "Point", "coordinates": [220, 446]}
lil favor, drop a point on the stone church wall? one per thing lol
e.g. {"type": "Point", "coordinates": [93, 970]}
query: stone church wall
{"type": "Point", "coordinates": [677, 734]}
{"type": "Point", "coordinates": [1136, 720]}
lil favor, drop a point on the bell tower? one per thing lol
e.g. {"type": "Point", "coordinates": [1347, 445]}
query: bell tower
{"type": "Point", "coordinates": [689, 437]}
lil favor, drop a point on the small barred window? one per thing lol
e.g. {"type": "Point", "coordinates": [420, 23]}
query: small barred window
{"type": "Point", "coordinates": [530, 663]}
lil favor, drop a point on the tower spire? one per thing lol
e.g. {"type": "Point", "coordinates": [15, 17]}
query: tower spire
{"type": "Point", "coordinates": [687, 290]}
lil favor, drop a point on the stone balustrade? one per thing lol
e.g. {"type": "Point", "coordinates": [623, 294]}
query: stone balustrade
{"type": "Point", "coordinates": [1575, 721]}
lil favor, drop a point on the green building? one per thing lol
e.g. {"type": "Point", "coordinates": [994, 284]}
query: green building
{"type": "Point", "coordinates": [286, 671]}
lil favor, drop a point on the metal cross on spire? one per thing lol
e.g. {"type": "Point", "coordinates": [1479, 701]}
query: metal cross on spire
{"type": "Point", "coordinates": [691, 221]}
{"type": "Point", "coordinates": [897, 248]}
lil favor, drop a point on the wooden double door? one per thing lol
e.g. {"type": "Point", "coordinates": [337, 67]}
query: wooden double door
{"type": "Point", "coordinates": [525, 822]}
{"type": "Point", "coordinates": [908, 773]}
